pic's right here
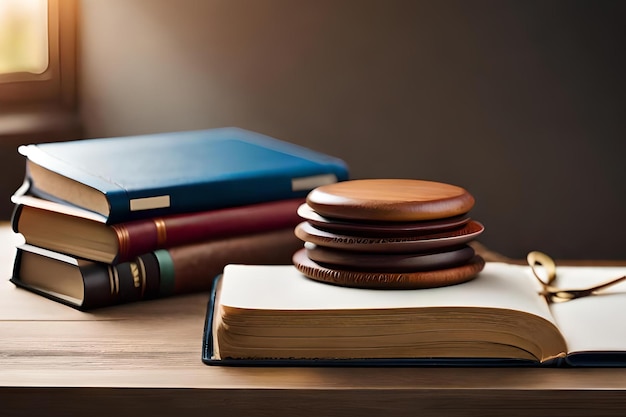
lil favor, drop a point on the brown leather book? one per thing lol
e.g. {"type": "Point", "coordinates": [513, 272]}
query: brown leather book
{"type": "Point", "coordinates": [86, 285]}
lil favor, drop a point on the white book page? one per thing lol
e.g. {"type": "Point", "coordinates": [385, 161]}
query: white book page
{"type": "Point", "coordinates": [594, 323]}
{"type": "Point", "coordinates": [283, 287]}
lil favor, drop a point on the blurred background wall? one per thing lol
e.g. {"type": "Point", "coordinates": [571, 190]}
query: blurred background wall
{"type": "Point", "coordinates": [520, 102]}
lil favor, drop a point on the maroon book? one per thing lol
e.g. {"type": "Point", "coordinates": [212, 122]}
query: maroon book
{"type": "Point", "coordinates": [78, 232]}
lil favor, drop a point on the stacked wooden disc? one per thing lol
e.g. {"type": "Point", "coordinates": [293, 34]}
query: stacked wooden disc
{"type": "Point", "coordinates": [388, 233]}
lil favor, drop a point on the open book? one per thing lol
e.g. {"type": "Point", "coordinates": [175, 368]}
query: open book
{"type": "Point", "coordinates": [274, 315]}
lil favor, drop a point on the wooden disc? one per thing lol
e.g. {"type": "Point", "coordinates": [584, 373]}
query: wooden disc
{"type": "Point", "coordinates": [388, 280]}
{"type": "Point", "coordinates": [388, 262]}
{"type": "Point", "coordinates": [436, 241]}
{"type": "Point", "coordinates": [377, 228]}
{"type": "Point", "coordinates": [390, 200]}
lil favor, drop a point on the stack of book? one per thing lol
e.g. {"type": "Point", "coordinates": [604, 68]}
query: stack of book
{"type": "Point", "coordinates": [114, 220]}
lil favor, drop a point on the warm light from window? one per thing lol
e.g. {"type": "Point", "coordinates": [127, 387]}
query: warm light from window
{"type": "Point", "coordinates": [23, 36]}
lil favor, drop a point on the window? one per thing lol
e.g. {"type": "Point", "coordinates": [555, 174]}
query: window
{"type": "Point", "coordinates": [37, 53]}
{"type": "Point", "coordinates": [23, 37]}
{"type": "Point", "coordinates": [37, 82]}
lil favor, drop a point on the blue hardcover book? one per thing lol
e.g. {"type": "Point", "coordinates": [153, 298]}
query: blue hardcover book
{"type": "Point", "coordinates": [134, 177]}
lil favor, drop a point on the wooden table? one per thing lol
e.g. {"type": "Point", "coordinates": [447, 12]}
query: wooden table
{"type": "Point", "coordinates": [143, 359]}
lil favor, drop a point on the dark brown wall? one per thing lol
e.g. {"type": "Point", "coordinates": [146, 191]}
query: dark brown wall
{"type": "Point", "coordinates": [521, 102]}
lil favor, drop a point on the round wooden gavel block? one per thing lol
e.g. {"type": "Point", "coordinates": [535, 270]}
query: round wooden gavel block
{"type": "Point", "coordinates": [402, 200]}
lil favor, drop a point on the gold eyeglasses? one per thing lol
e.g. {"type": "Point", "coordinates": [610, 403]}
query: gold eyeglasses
{"type": "Point", "coordinates": [544, 269]}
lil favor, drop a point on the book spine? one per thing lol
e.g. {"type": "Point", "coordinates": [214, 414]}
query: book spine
{"type": "Point", "coordinates": [194, 197]}
{"type": "Point", "coordinates": [143, 236]}
{"type": "Point", "coordinates": [127, 282]}
{"type": "Point", "coordinates": [114, 284]}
